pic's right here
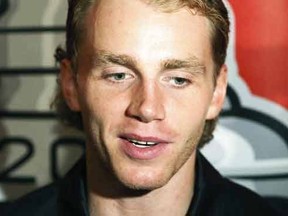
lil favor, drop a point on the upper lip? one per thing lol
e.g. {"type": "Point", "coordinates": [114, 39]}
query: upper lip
{"type": "Point", "coordinates": [144, 138]}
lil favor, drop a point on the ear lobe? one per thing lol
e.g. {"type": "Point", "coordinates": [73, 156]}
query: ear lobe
{"type": "Point", "coordinates": [218, 94]}
{"type": "Point", "coordinates": [69, 85]}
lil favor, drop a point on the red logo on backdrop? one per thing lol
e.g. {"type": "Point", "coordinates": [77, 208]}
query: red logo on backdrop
{"type": "Point", "coordinates": [262, 47]}
{"type": "Point", "coordinates": [259, 41]}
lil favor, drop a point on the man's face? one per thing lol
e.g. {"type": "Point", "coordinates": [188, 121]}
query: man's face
{"type": "Point", "coordinates": [144, 87]}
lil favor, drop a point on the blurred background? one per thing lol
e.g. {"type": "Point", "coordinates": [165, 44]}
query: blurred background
{"type": "Point", "coordinates": [251, 140]}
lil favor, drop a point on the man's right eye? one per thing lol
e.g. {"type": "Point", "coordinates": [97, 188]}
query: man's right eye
{"type": "Point", "coordinates": [118, 77]}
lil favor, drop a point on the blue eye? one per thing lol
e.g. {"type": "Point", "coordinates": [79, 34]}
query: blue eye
{"type": "Point", "coordinates": [118, 76]}
{"type": "Point", "coordinates": [179, 81]}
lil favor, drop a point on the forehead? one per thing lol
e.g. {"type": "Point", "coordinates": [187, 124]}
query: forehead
{"type": "Point", "coordinates": [137, 29]}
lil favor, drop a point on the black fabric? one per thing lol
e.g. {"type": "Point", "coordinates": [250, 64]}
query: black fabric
{"type": "Point", "coordinates": [66, 197]}
{"type": "Point", "coordinates": [218, 196]}
{"type": "Point", "coordinates": [279, 203]}
{"type": "Point", "coordinates": [214, 196]}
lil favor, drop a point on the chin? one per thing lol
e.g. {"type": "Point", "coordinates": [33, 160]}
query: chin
{"type": "Point", "coordinates": [146, 186]}
{"type": "Point", "coordinates": [144, 181]}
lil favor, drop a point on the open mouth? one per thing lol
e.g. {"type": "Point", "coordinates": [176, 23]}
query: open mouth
{"type": "Point", "coordinates": [142, 144]}
{"type": "Point", "coordinates": [143, 147]}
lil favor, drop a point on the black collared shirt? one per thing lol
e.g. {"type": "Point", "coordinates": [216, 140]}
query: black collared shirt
{"type": "Point", "coordinates": [214, 195]}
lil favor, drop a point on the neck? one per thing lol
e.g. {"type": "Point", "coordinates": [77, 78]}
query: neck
{"type": "Point", "coordinates": [108, 197]}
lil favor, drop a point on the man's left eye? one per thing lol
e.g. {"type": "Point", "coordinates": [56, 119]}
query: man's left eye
{"type": "Point", "coordinates": [178, 82]}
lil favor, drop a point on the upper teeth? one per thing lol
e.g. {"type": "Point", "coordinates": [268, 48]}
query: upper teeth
{"type": "Point", "coordinates": [137, 142]}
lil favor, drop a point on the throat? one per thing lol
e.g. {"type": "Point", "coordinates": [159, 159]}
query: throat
{"type": "Point", "coordinates": [107, 196]}
{"type": "Point", "coordinates": [142, 202]}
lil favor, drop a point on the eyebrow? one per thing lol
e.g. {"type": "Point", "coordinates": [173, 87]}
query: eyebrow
{"type": "Point", "coordinates": [191, 64]}
{"type": "Point", "coordinates": [106, 58]}
{"type": "Point", "coordinates": [102, 57]}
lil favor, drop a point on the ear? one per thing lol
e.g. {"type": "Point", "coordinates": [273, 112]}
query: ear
{"type": "Point", "coordinates": [69, 85]}
{"type": "Point", "coordinates": [218, 94]}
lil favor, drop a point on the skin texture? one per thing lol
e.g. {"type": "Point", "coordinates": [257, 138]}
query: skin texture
{"type": "Point", "coordinates": [141, 75]}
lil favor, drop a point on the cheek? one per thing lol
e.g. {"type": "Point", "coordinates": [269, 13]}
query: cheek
{"type": "Point", "coordinates": [191, 105]}
{"type": "Point", "coordinates": [101, 107]}
{"type": "Point", "coordinates": [188, 112]}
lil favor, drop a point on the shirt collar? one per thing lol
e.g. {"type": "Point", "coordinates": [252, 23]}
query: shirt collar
{"type": "Point", "coordinates": [72, 198]}
{"type": "Point", "coordinates": [207, 177]}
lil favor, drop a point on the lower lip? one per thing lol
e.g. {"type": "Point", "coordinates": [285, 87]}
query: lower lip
{"type": "Point", "coordinates": [148, 153]}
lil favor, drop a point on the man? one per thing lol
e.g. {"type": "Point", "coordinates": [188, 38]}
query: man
{"type": "Point", "coordinates": [145, 80]}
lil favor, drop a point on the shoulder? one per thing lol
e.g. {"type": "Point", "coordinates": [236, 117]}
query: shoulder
{"type": "Point", "coordinates": [65, 193]}
{"type": "Point", "coordinates": [221, 196]}
{"type": "Point", "coordinates": [41, 202]}
{"type": "Point", "coordinates": [228, 198]}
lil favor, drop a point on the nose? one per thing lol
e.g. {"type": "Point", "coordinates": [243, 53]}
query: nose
{"type": "Point", "coordinates": [146, 104]}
